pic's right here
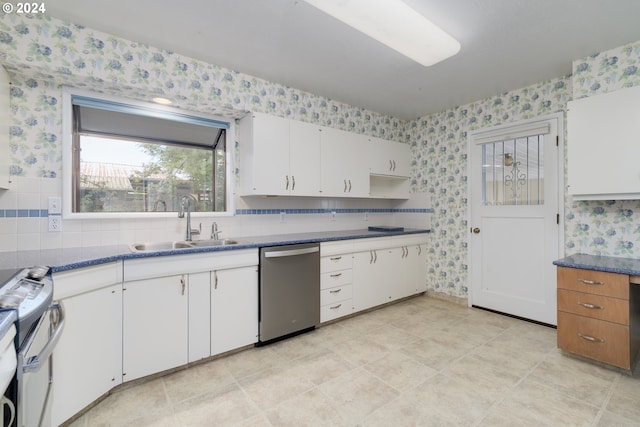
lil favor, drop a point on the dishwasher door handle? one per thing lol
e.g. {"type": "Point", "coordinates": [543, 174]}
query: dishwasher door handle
{"type": "Point", "coordinates": [292, 252]}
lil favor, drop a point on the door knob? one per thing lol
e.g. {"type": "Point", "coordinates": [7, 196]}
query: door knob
{"type": "Point", "coordinates": [475, 230]}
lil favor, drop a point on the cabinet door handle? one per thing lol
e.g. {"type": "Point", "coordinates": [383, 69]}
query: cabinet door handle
{"type": "Point", "coordinates": [335, 291]}
{"type": "Point", "coordinates": [419, 250]}
{"type": "Point", "coordinates": [390, 165]}
{"type": "Point", "coordinates": [375, 256]}
{"type": "Point", "coordinates": [345, 186]}
{"type": "Point", "coordinates": [286, 177]}
{"type": "Point", "coordinates": [349, 186]}
{"type": "Point", "coordinates": [394, 165]}
{"type": "Point", "coordinates": [592, 306]}
{"type": "Point", "coordinates": [215, 280]}
{"type": "Point", "coordinates": [370, 257]}
{"type": "Point", "coordinates": [337, 258]}
{"type": "Point", "coordinates": [590, 282]}
{"type": "Point", "coordinates": [182, 284]}
{"type": "Point", "coordinates": [335, 307]}
{"type": "Point", "coordinates": [590, 338]}
{"type": "Point", "coordinates": [293, 180]}
{"type": "Point", "coordinates": [336, 275]}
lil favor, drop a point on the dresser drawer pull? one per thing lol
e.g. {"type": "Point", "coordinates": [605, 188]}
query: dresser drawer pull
{"type": "Point", "coordinates": [590, 338]}
{"type": "Point", "coordinates": [335, 307]}
{"type": "Point", "coordinates": [592, 306]}
{"type": "Point", "coordinates": [590, 282]}
{"type": "Point", "coordinates": [337, 258]}
{"type": "Point", "coordinates": [335, 291]}
{"type": "Point", "coordinates": [336, 275]}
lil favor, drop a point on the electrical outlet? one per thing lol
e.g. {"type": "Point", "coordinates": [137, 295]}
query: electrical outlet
{"type": "Point", "coordinates": [283, 216]}
{"type": "Point", "coordinates": [333, 215]}
{"type": "Point", "coordinates": [55, 223]}
{"type": "Point", "coordinates": [55, 205]}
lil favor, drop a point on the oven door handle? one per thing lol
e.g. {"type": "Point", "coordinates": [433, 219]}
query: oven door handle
{"type": "Point", "coordinates": [33, 364]}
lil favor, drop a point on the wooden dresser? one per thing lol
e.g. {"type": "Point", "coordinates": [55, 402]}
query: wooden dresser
{"type": "Point", "coordinates": [599, 315]}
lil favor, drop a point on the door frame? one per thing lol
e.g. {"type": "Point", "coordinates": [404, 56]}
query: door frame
{"type": "Point", "coordinates": [560, 117]}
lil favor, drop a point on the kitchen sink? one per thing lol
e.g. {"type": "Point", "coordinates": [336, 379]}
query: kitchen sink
{"type": "Point", "coordinates": [158, 246]}
{"type": "Point", "coordinates": [217, 242]}
{"type": "Point", "coordinates": [170, 246]}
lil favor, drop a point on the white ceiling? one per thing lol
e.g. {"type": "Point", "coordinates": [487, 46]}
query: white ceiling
{"type": "Point", "coordinates": [506, 44]}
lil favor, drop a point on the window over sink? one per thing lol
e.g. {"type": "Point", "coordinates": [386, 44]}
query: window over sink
{"type": "Point", "coordinates": [128, 157]}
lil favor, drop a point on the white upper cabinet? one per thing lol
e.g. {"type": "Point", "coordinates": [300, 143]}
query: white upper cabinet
{"type": "Point", "coordinates": [389, 158]}
{"type": "Point", "coordinates": [4, 128]}
{"type": "Point", "coordinates": [283, 157]}
{"type": "Point", "coordinates": [279, 156]}
{"type": "Point", "coordinates": [304, 155]}
{"type": "Point", "coordinates": [604, 146]}
{"type": "Point", "coordinates": [345, 170]}
{"type": "Point", "coordinates": [264, 143]}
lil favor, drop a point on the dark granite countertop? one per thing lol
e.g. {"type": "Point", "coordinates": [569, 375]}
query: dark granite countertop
{"type": "Point", "coordinates": [630, 266]}
{"type": "Point", "coordinates": [70, 258]}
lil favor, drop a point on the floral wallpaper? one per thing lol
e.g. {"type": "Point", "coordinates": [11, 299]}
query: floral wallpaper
{"type": "Point", "coordinates": [440, 168]}
{"type": "Point", "coordinates": [43, 53]}
{"type": "Point", "coordinates": [605, 227]}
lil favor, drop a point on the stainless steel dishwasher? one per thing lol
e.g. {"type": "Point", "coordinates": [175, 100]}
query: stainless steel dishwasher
{"type": "Point", "coordinates": [289, 290]}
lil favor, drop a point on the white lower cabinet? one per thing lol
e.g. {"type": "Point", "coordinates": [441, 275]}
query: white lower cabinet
{"type": "Point", "coordinates": [155, 325]}
{"type": "Point", "coordinates": [199, 316]}
{"type": "Point", "coordinates": [234, 308]}
{"type": "Point", "coordinates": [87, 361]}
{"type": "Point", "coordinates": [370, 272]}
{"type": "Point", "coordinates": [375, 277]}
{"type": "Point", "coordinates": [336, 277]}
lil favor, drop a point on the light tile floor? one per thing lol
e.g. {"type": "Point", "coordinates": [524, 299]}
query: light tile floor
{"type": "Point", "coordinates": [421, 362]}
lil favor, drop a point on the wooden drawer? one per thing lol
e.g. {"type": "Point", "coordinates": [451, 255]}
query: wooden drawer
{"type": "Point", "coordinates": [596, 339]}
{"type": "Point", "coordinates": [333, 311]}
{"type": "Point", "coordinates": [594, 282]}
{"type": "Point", "coordinates": [334, 295]}
{"type": "Point", "coordinates": [596, 306]}
{"type": "Point", "coordinates": [336, 262]}
{"type": "Point", "coordinates": [335, 278]}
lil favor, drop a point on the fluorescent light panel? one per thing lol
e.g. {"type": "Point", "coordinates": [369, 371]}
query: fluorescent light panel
{"type": "Point", "coordinates": [395, 24]}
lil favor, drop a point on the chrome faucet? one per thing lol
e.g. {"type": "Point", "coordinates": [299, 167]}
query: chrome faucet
{"type": "Point", "coordinates": [215, 233]}
{"type": "Point", "coordinates": [185, 201]}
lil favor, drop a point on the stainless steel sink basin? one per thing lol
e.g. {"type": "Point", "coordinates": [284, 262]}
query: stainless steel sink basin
{"type": "Point", "coordinates": [217, 242]}
{"type": "Point", "coordinates": [158, 246]}
{"type": "Point", "coordinates": [169, 246]}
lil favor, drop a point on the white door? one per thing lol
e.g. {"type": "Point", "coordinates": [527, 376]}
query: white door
{"type": "Point", "coordinates": [304, 159]}
{"type": "Point", "coordinates": [155, 325]}
{"type": "Point", "coordinates": [514, 230]}
{"type": "Point", "coordinates": [234, 308]}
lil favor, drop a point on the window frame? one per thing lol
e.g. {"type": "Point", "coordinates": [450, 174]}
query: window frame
{"type": "Point", "coordinates": [68, 173]}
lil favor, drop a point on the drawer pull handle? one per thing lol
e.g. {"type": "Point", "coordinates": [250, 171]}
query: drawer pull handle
{"type": "Point", "coordinates": [335, 307]}
{"type": "Point", "coordinates": [590, 338]}
{"type": "Point", "coordinates": [335, 291]}
{"type": "Point", "coordinates": [337, 258]}
{"type": "Point", "coordinates": [336, 275]}
{"type": "Point", "coordinates": [590, 282]}
{"type": "Point", "coordinates": [592, 306]}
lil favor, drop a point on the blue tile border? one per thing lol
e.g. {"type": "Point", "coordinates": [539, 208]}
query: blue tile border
{"type": "Point", "coordinates": [24, 213]}
{"type": "Point", "coordinates": [43, 213]}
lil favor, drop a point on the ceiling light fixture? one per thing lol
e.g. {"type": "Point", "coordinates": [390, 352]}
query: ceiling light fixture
{"type": "Point", "coordinates": [163, 101]}
{"type": "Point", "coordinates": [395, 24]}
